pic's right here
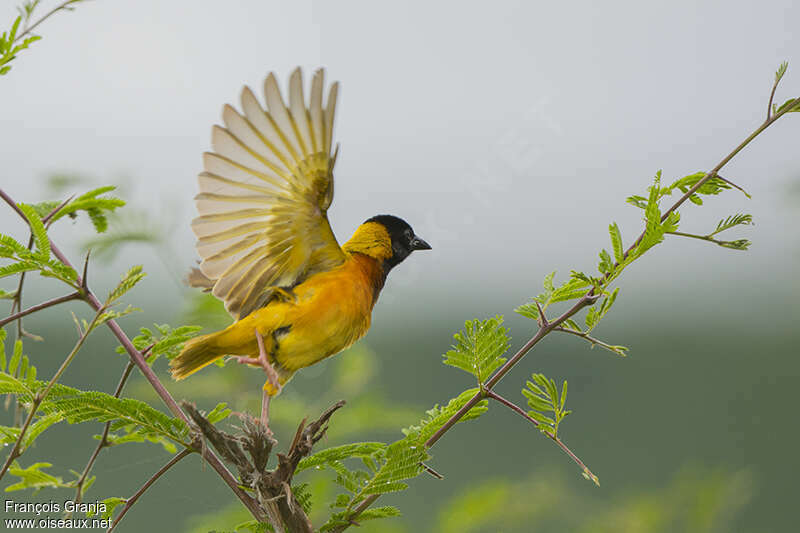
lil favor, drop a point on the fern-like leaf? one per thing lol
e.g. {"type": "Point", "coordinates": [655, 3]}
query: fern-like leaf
{"type": "Point", "coordinates": [479, 347]}
{"type": "Point", "coordinates": [38, 231]}
{"type": "Point", "coordinates": [543, 397]}
{"type": "Point", "coordinates": [128, 281]}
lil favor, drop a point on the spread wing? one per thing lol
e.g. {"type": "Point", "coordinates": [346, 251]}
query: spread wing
{"type": "Point", "coordinates": [264, 195]}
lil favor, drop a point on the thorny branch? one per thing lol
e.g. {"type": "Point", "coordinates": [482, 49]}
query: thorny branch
{"type": "Point", "coordinates": [137, 358]}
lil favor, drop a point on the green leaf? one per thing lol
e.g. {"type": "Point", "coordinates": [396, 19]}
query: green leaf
{"type": "Point", "coordinates": [781, 71]}
{"type": "Point", "coordinates": [732, 221]}
{"type": "Point", "coordinates": [479, 347]}
{"type": "Point", "coordinates": [606, 264]}
{"type": "Point", "coordinates": [95, 205]}
{"type": "Point", "coordinates": [17, 268]}
{"type": "Point", "coordinates": [302, 494]}
{"type": "Point", "coordinates": [340, 453]}
{"type": "Point", "coordinates": [543, 397]}
{"type": "Point", "coordinates": [616, 241]}
{"type": "Point", "coordinates": [219, 413]}
{"type": "Point", "coordinates": [2, 350]}
{"type": "Point", "coordinates": [38, 231]}
{"type": "Point", "coordinates": [11, 243]}
{"type": "Point", "coordinates": [529, 310]}
{"type": "Point", "coordinates": [34, 477]}
{"type": "Point", "coordinates": [786, 105]}
{"type": "Point", "coordinates": [135, 434]}
{"type": "Point", "coordinates": [638, 201]}
{"type": "Point", "coordinates": [386, 511]}
{"type": "Point", "coordinates": [128, 281]}
{"type": "Point", "coordinates": [83, 406]}
{"type": "Point", "coordinates": [111, 504]}
{"type": "Point", "coordinates": [403, 461]}
{"type": "Point", "coordinates": [15, 358]}
{"type": "Point", "coordinates": [437, 416]}
{"type": "Point", "coordinates": [7, 295]}
{"type": "Point", "coordinates": [169, 343]}
{"type": "Point", "coordinates": [11, 385]}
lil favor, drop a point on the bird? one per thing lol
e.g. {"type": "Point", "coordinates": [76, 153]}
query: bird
{"type": "Point", "coordinates": [267, 248]}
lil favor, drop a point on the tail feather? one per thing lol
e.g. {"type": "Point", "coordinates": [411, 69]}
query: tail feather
{"type": "Point", "coordinates": [196, 354]}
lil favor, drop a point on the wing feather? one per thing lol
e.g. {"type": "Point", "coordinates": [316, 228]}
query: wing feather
{"type": "Point", "coordinates": [264, 194]}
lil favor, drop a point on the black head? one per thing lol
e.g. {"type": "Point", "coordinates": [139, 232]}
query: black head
{"type": "Point", "coordinates": [404, 241]}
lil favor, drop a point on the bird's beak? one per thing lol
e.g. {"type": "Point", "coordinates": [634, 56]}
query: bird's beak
{"type": "Point", "coordinates": [419, 244]}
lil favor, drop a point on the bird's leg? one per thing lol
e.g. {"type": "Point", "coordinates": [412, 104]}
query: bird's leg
{"type": "Point", "coordinates": [272, 378]}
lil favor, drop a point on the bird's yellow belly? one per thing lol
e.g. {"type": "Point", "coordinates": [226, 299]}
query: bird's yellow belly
{"type": "Point", "coordinates": [330, 312]}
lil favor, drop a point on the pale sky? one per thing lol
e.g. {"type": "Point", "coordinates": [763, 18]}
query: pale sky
{"type": "Point", "coordinates": [507, 133]}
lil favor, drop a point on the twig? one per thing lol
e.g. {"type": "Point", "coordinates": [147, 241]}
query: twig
{"type": "Point", "coordinates": [552, 436]}
{"type": "Point", "coordinates": [732, 184]}
{"type": "Point", "coordinates": [133, 499]}
{"type": "Point", "coordinates": [63, 5]}
{"type": "Point", "coordinates": [589, 338]}
{"type": "Point", "coordinates": [148, 373]}
{"type": "Point", "coordinates": [39, 307]}
{"type": "Point", "coordinates": [736, 245]}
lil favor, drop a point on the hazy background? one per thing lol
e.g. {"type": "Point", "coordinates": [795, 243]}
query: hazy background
{"type": "Point", "coordinates": [508, 134]}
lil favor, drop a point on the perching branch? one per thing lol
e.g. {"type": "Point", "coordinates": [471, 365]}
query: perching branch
{"type": "Point", "coordinates": [273, 487]}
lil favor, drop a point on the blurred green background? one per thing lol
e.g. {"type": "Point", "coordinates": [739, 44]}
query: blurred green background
{"type": "Point", "coordinates": [508, 135]}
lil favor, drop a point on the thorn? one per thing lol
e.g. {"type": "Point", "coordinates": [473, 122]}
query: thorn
{"type": "Point", "coordinates": [29, 335]}
{"type": "Point", "coordinates": [431, 471]}
{"type": "Point", "coordinates": [84, 282]}
{"type": "Point", "coordinates": [542, 319]}
{"type": "Point", "coordinates": [58, 208]}
{"type": "Point", "coordinates": [732, 184]}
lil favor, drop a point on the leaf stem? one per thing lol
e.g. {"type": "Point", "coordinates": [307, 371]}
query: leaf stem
{"type": "Point", "coordinates": [133, 499]}
{"type": "Point", "coordinates": [707, 238]}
